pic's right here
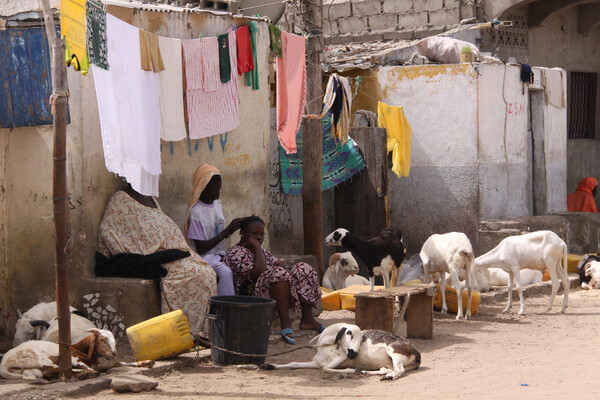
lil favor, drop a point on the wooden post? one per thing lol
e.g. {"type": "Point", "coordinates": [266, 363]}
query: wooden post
{"type": "Point", "coordinates": [59, 189]}
{"type": "Point", "coordinates": [312, 164]}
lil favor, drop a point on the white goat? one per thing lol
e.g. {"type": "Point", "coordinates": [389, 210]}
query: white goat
{"type": "Point", "coordinates": [486, 277]}
{"type": "Point", "coordinates": [451, 252]}
{"type": "Point", "coordinates": [592, 270]}
{"type": "Point", "coordinates": [536, 250]}
{"type": "Point", "coordinates": [29, 325]}
{"type": "Point", "coordinates": [342, 272]}
{"type": "Point", "coordinates": [80, 328]}
{"type": "Point", "coordinates": [344, 348]}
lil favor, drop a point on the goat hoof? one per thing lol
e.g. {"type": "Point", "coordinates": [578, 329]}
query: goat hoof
{"type": "Point", "coordinates": [267, 367]}
{"type": "Point", "coordinates": [386, 378]}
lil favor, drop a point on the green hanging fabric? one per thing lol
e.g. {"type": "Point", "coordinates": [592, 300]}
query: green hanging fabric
{"type": "Point", "coordinates": [224, 63]}
{"type": "Point", "coordinates": [275, 36]}
{"type": "Point", "coordinates": [254, 73]}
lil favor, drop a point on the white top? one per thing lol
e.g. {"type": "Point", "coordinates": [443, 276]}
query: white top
{"type": "Point", "coordinates": [206, 221]}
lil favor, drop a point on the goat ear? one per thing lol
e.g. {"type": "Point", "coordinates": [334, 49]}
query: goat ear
{"type": "Point", "coordinates": [340, 334]}
{"type": "Point", "coordinates": [19, 315]}
{"type": "Point", "coordinates": [39, 322]}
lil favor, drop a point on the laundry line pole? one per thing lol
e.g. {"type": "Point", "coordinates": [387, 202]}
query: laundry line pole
{"type": "Point", "coordinates": [60, 193]}
{"type": "Point", "coordinates": [312, 137]}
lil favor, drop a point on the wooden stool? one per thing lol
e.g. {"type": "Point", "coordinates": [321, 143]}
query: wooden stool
{"type": "Point", "coordinates": [375, 310]}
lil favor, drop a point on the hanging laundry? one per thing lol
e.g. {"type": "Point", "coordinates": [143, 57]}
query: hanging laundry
{"type": "Point", "coordinates": [213, 112]}
{"type": "Point", "coordinates": [338, 100]}
{"type": "Point", "coordinates": [202, 63]}
{"type": "Point", "coordinates": [129, 110]}
{"type": "Point", "coordinates": [245, 61]}
{"type": "Point", "coordinates": [72, 27]}
{"type": "Point", "coordinates": [399, 133]}
{"type": "Point", "coordinates": [172, 120]}
{"type": "Point", "coordinates": [275, 36]}
{"type": "Point", "coordinates": [95, 34]}
{"type": "Point", "coordinates": [252, 76]}
{"type": "Point", "coordinates": [150, 52]}
{"type": "Point", "coordinates": [291, 89]}
{"type": "Point", "coordinates": [340, 161]}
{"type": "Point", "coordinates": [552, 81]}
{"type": "Point", "coordinates": [224, 63]}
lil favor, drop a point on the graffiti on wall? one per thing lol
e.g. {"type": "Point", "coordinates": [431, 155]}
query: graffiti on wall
{"type": "Point", "coordinates": [280, 213]}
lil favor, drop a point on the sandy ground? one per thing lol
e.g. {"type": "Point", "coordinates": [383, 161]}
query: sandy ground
{"type": "Point", "coordinates": [492, 356]}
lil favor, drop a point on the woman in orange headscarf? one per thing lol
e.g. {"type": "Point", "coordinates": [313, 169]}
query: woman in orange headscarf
{"type": "Point", "coordinates": [205, 225]}
{"type": "Point", "coordinates": [582, 199]}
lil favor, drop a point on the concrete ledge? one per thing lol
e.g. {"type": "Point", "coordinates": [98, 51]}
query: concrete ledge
{"type": "Point", "coordinates": [537, 289]}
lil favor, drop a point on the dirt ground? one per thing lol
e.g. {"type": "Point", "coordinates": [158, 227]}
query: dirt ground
{"type": "Point", "coordinates": [492, 356]}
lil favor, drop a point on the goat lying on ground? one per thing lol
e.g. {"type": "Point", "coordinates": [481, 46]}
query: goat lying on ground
{"type": "Point", "coordinates": [588, 269]}
{"type": "Point", "coordinates": [486, 277]}
{"type": "Point", "coordinates": [39, 358]}
{"type": "Point", "coordinates": [451, 252]}
{"type": "Point", "coordinates": [536, 250]}
{"type": "Point", "coordinates": [345, 348]}
{"type": "Point", "coordinates": [80, 328]}
{"type": "Point", "coordinates": [30, 325]}
{"type": "Point", "coordinates": [342, 272]}
{"type": "Point", "coordinates": [382, 254]}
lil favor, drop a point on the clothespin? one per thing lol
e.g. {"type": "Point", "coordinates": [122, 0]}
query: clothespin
{"type": "Point", "coordinates": [200, 36]}
{"type": "Point", "coordinates": [234, 28]}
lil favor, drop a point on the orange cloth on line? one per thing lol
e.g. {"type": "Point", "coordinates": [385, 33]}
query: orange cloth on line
{"type": "Point", "coordinates": [582, 198]}
{"type": "Point", "coordinates": [150, 53]}
{"type": "Point", "coordinates": [291, 89]}
{"type": "Point", "coordinates": [202, 176]}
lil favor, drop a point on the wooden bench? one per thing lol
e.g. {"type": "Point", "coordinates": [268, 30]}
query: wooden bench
{"type": "Point", "coordinates": [375, 310]}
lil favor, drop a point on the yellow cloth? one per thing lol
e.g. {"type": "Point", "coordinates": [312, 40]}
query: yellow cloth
{"type": "Point", "coordinates": [72, 27]}
{"type": "Point", "coordinates": [150, 53]}
{"type": "Point", "coordinates": [202, 176]}
{"type": "Point", "coordinates": [398, 136]}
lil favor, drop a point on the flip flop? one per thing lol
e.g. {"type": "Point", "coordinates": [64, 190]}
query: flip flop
{"type": "Point", "coordinates": [321, 329]}
{"type": "Point", "coordinates": [284, 334]}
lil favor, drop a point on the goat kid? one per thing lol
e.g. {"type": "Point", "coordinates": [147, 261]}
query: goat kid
{"type": "Point", "coordinates": [381, 254]}
{"type": "Point", "coordinates": [536, 250]}
{"type": "Point", "coordinates": [452, 253]}
{"type": "Point", "coordinates": [30, 325]}
{"type": "Point", "coordinates": [487, 277]}
{"type": "Point", "coordinates": [344, 348]}
{"type": "Point", "coordinates": [342, 272]}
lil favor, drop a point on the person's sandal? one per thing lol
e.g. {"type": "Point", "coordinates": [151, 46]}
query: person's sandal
{"type": "Point", "coordinates": [284, 334]}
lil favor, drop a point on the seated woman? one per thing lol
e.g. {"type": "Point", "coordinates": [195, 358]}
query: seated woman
{"type": "Point", "coordinates": [296, 287]}
{"type": "Point", "coordinates": [205, 227]}
{"type": "Point", "coordinates": [134, 223]}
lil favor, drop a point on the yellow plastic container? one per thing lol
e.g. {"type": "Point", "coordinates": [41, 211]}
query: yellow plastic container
{"type": "Point", "coordinates": [452, 299]}
{"type": "Point", "coordinates": [572, 261]}
{"type": "Point", "coordinates": [331, 300]}
{"type": "Point", "coordinates": [161, 337]}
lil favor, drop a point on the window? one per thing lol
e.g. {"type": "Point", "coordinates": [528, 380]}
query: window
{"type": "Point", "coordinates": [25, 81]}
{"type": "Point", "coordinates": [581, 117]}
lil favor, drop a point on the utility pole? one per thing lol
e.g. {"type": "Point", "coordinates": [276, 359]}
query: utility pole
{"type": "Point", "coordinates": [59, 189]}
{"type": "Point", "coordinates": [312, 139]}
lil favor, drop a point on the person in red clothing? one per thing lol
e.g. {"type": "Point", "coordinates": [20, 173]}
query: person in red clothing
{"type": "Point", "coordinates": [582, 199]}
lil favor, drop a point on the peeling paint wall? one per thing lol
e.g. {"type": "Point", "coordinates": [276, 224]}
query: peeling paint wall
{"type": "Point", "coordinates": [27, 267]}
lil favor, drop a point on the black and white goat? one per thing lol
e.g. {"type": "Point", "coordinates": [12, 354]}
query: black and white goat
{"type": "Point", "coordinates": [344, 348]}
{"type": "Point", "coordinates": [32, 323]}
{"type": "Point", "coordinates": [588, 269]}
{"type": "Point", "coordinates": [381, 254]}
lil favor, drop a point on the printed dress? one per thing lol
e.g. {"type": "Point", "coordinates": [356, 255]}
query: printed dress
{"type": "Point", "coordinates": [130, 227]}
{"type": "Point", "coordinates": [302, 277]}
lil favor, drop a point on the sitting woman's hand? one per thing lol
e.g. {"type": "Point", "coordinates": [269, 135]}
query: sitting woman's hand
{"type": "Point", "coordinates": [252, 243]}
{"type": "Point", "coordinates": [281, 263]}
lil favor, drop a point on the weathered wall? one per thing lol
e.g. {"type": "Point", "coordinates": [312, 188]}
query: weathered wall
{"type": "Point", "coordinates": [440, 195]}
{"type": "Point", "coordinates": [242, 156]}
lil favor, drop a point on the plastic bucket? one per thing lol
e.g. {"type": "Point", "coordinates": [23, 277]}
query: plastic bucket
{"type": "Point", "coordinates": [241, 324]}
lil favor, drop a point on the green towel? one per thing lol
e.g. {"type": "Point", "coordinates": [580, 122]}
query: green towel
{"type": "Point", "coordinates": [224, 63]}
{"type": "Point", "coordinates": [252, 76]}
{"type": "Point", "coordinates": [275, 36]}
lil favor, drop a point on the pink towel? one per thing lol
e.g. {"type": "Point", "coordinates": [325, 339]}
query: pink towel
{"type": "Point", "coordinates": [211, 112]}
{"type": "Point", "coordinates": [202, 63]}
{"type": "Point", "coordinates": [291, 89]}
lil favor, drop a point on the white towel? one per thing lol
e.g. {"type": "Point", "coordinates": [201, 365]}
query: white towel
{"type": "Point", "coordinates": [128, 105]}
{"type": "Point", "coordinates": [552, 80]}
{"type": "Point", "coordinates": [171, 90]}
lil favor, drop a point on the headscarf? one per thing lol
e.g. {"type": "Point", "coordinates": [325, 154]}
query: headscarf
{"type": "Point", "coordinates": [202, 176]}
{"type": "Point", "coordinates": [582, 198]}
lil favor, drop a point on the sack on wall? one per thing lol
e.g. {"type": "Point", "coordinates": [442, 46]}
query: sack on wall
{"type": "Point", "coordinates": [445, 50]}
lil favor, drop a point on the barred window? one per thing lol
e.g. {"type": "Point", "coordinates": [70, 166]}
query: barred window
{"type": "Point", "coordinates": [581, 117]}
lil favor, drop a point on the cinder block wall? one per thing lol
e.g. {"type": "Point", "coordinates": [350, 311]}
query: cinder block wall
{"type": "Point", "coordinates": [346, 21]}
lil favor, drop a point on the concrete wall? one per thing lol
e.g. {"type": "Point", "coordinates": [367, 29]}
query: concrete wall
{"type": "Point", "coordinates": [27, 269]}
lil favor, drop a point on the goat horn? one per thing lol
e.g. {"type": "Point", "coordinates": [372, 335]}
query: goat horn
{"type": "Point", "coordinates": [19, 315]}
{"type": "Point", "coordinates": [39, 322]}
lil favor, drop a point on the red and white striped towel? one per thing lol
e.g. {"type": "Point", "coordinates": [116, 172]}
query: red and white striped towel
{"type": "Point", "coordinates": [202, 63]}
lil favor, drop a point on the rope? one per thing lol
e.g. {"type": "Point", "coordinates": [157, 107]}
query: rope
{"type": "Point", "coordinates": [237, 353]}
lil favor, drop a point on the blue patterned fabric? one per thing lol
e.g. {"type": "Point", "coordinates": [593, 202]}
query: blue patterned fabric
{"type": "Point", "coordinates": [340, 162]}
